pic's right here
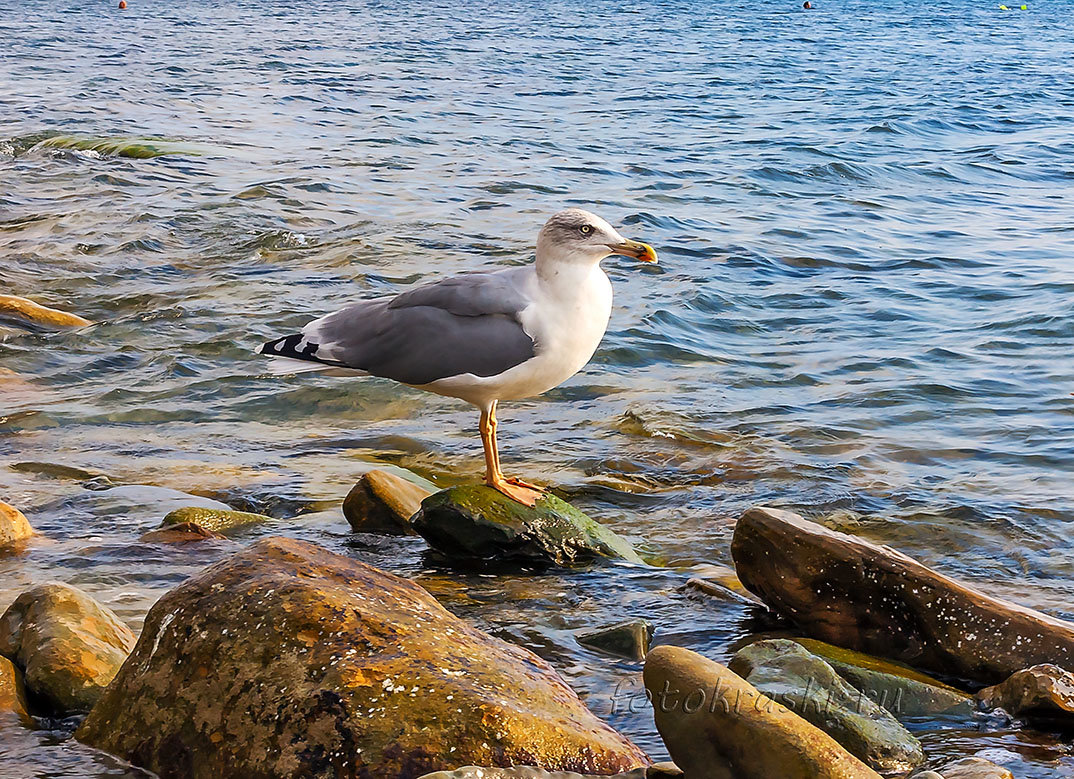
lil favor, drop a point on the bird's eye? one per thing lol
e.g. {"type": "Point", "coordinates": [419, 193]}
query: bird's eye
{"type": "Point", "coordinates": [586, 229]}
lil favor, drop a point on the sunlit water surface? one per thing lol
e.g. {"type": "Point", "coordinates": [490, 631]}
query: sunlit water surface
{"type": "Point", "coordinates": [863, 311]}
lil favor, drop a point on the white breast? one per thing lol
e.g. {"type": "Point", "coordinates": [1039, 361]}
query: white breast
{"type": "Point", "coordinates": [566, 320]}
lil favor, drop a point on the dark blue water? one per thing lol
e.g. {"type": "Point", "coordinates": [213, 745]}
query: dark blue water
{"type": "Point", "coordinates": [863, 312]}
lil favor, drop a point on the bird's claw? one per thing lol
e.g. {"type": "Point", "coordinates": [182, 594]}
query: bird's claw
{"type": "Point", "coordinates": [519, 492]}
{"type": "Point", "coordinates": [526, 484]}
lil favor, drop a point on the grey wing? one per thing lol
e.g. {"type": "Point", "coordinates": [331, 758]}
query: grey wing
{"type": "Point", "coordinates": [461, 325]}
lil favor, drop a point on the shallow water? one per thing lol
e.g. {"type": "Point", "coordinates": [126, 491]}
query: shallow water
{"type": "Point", "coordinates": [863, 310]}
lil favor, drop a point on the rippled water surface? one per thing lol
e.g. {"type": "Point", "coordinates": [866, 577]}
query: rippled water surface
{"type": "Point", "coordinates": [863, 311]}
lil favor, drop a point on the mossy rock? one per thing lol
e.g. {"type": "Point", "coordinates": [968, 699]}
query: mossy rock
{"type": "Point", "coordinates": [897, 687]}
{"type": "Point", "coordinates": [215, 520]}
{"type": "Point", "coordinates": [137, 148]}
{"type": "Point", "coordinates": [475, 522]}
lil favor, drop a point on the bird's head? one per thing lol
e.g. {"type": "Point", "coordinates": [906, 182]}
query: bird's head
{"type": "Point", "coordinates": [577, 236]}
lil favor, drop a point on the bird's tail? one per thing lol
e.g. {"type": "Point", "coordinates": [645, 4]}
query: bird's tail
{"type": "Point", "coordinates": [290, 355]}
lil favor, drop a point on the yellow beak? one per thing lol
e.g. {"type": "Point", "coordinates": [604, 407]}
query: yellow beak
{"type": "Point", "coordinates": [636, 249]}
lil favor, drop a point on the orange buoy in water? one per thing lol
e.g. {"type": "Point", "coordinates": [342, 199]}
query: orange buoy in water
{"type": "Point", "coordinates": [122, 4]}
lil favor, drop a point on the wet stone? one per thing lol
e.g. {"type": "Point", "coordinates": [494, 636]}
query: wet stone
{"type": "Point", "coordinates": [288, 660]}
{"type": "Point", "coordinates": [974, 768]}
{"type": "Point", "coordinates": [182, 533]}
{"type": "Point", "coordinates": [382, 502]}
{"type": "Point", "coordinates": [68, 645]}
{"type": "Point", "coordinates": [896, 687]}
{"type": "Point", "coordinates": [25, 310]}
{"type": "Point", "coordinates": [12, 692]}
{"type": "Point", "coordinates": [718, 726]}
{"type": "Point", "coordinates": [14, 526]}
{"type": "Point", "coordinates": [213, 520]}
{"type": "Point", "coordinates": [626, 639]}
{"type": "Point", "coordinates": [784, 671]}
{"type": "Point", "coordinates": [476, 522]}
{"type": "Point", "coordinates": [856, 594]}
{"type": "Point", "coordinates": [1044, 691]}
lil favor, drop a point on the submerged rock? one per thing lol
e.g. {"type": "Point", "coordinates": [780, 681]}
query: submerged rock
{"type": "Point", "coordinates": [12, 692]}
{"type": "Point", "coordinates": [718, 726]}
{"type": "Point", "coordinates": [897, 687]}
{"type": "Point", "coordinates": [656, 771]}
{"type": "Point", "coordinates": [212, 519]}
{"type": "Point", "coordinates": [68, 645]}
{"type": "Point", "coordinates": [138, 148]}
{"type": "Point", "coordinates": [478, 523]}
{"type": "Point", "coordinates": [286, 660]}
{"type": "Point", "coordinates": [627, 639]}
{"type": "Point", "coordinates": [974, 768]}
{"type": "Point", "coordinates": [14, 527]}
{"type": "Point", "coordinates": [853, 593]}
{"type": "Point", "coordinates": [720, 581]}
{"type": "Point", "coordinates": [784, 671]}
{"type": "Point", "coordinates": [382, 502]}
{"type": "Point", "coordinates": [27, 310]}
{"type": "Point", "coordinates": [182, 533]}
{"type": "Point", "coordinates": [1045, 691]}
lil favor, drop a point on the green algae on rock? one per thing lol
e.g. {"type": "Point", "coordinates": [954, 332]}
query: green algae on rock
{"type": "Point", "coordinates": [897, 687]}
{"type": "Point", "coordinates": [286, 660]}
{"type": "Point", "coordinates": [857, 594]}
{"type": "Point", "coordinates": [784, 671]}
{"type": "Point", "coordinates": [214, 520]}
{"type": "Point", "coordinates": [68, 645]}
{"type": "Point", "coordinates": [716, 725]}
{"type": "Point", "coordinates": [137, 148]}
{"type": "Point", "coordinates": [476, 522]}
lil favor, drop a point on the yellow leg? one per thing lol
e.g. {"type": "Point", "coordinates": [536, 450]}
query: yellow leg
{"type": "Point", "coordinates": [525, 494]}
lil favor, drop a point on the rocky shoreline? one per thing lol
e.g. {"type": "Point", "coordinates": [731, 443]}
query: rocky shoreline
{"type": "Point", "coordinates": [288, 660]}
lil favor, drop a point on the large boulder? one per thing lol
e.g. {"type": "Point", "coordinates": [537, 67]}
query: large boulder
{"type": "Point", "coordinates": [718, 726]}
{"type": "Point", "coordinates": [1045, 691]}
{"type": "Point", "coordinates": [12, 692]}
{"type": "Point", "coordinates": [475, 522]}
{"type": "Point", "coordinates": [68, 645]}
{"type": "Point", "coordinates": [870, 598]}
{"type": "Point", "coordinates": [897, 687]}
{"type": "Point", "coordinates": [286, 660]}
{"type": "Point", "coordinates": [382, 502]}
{"type": "Point", "coordinates": [13, 526]}
{"type": "Point", "coordinates": [784, 671]}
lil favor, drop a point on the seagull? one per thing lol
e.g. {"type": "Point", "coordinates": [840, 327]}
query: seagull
{"type": "Point", "coordinates": [480, 337]}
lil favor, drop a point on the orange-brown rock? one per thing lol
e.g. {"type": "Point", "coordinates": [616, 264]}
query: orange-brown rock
{"type": "Point", "coordinates": [718, 726]}
{"type": "Point", "coordinates": [13, 526]}
{"type": "Point", "coordinates": [870, 598]}
{"type": "Point", "coordinates": [29, 311]}
{"type": "Point", "coordinates": [1045, 691]}
{"type": "Point", "coordinates": [382, 502]}
{"type": "Point", "coordinates": [67, 644]}
{"type": "Point", "coordinates": [286, 660]}
{"type": "Point", "coordinates": [182, 533]}
{"type": "Point", "coordinates": [12, 693]}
